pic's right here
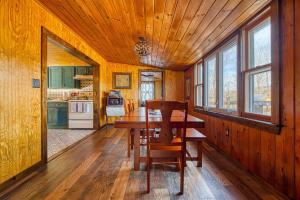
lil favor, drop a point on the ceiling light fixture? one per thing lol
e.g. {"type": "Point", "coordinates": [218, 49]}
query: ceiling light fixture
{"type": "Point", "coordinates": [142, 48]}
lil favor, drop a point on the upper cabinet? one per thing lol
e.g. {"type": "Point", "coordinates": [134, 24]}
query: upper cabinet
{"type": "Point", "coordinates": [84, 70]}
{"type": "Point", "coordinates": [68, 77]}
{"type": "Point", "coordinates": [63, 77]}
{"type": "Point", "coordinates": [55, 77]}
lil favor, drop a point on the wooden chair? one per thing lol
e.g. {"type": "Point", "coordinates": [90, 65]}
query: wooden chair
{"type": "Point", "coordinates": [166, 145]}
{"type": "Point", "coordinates": [130, 136]}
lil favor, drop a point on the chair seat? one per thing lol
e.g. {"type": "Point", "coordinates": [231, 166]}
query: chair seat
{"type": "Point", "coordinates": [165, 147]}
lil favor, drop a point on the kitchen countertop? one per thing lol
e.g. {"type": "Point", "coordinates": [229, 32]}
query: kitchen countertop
{"type": "Point", "coordinates": [59, 101]}
{"type": "Point", "coordinates": [88, 100]}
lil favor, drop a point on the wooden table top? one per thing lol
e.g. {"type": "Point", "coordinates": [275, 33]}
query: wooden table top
{"type": "Point", "coordinates": [137, 119]}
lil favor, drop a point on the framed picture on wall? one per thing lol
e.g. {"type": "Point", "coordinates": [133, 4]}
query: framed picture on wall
{"type": "Point", "coordinates": [187, 88]}
{"type": "Point", "coordinates": [121, 80]}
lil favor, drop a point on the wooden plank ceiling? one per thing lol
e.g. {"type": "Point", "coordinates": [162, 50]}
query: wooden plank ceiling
{"type": "Point", "coordinates": [178, 31]}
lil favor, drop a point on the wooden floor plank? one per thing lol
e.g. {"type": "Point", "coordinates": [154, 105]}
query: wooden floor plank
{"type": "Point", "coordinates": [68, 182]}
{"type": "Point", "coordinates": [119, 188]}
{"type": "Point", "coordinates": [98, 168]}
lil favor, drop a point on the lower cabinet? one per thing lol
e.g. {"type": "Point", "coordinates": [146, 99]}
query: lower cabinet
{"type": "Point", "coordinates": [57, 115]}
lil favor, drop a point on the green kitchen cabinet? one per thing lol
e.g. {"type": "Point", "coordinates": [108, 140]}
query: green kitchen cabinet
{"type": "Point", "coordinates": [55, 77]}
{"type": "Point", "coordinates": [68, 77]}
{"type": "Point", "coordinates": [62, 77]}
{"type": "Point", "coordinates": [80, 70]}
{"type": "Point", "coordinates": [84, 70]}
{"type": "Point", "coordinates": [89, 70]}
{"type": "Point", "coordinates": [57, 115]}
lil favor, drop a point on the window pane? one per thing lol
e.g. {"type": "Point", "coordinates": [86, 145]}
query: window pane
{"type": "Point", "coordinates": [260, 93]}
{"type": "Point", "coordinates": [211, 82]}
{"type": "Point", "coordinates": [229, 78]}
{"type": "Point", "coordinates": [195, 74]}
{"type": "Point", "coordinates": [260, 44]}
{"type": "Point", "coordinates": [199, 94]}
{"type": "Point", "coordinates": [200, 71]}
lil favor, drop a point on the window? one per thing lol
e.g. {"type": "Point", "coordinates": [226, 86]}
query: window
{"type": "Point", "coordinates": [240, 77]}
{"type": "Point", "coordinates": [221, 78]}
{"type": "Point", "coordinates": [147, 91]}
{"type": "Point", "coordinates": [198, 72]}
{"type": "Point", "coordinates": [258, 81]}
{"type": "Point", "coordinates": [211, 82]}
{"type": "Point", "coordinates": [228, 77]}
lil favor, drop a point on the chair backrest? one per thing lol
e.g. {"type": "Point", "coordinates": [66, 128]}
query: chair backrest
{"type": "Point", "coordinates": [166, 109]}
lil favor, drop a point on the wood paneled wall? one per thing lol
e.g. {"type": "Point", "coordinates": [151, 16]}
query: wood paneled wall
{"type": "Point", "coordinates": [173, 81]}
{"type": "Point", "coordinates": [267, 155]}
{"type": "Point", "coordinates": [20, 61]}
{"type": "Point", "coordinates": [297, 95]}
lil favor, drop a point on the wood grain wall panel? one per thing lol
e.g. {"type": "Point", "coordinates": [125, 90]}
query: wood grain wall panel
{"type": "Point", "coordinates": [267, 161]}
{"type": "Point", "coordinates": [284, 170]}
{"type": "Point", "coordinates": [174, 85]}
{"type": "Point", "coordinates": [240, 143]}
{"type": "Point", "coordinates": [297, 99]}
{"type": "Point", "coordinates": [20, 61]}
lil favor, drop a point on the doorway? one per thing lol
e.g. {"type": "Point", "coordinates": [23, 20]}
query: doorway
{"type": "Point", "coordinates": [70, 96]}
{"type": "Point", "coordinates": [151, 85]}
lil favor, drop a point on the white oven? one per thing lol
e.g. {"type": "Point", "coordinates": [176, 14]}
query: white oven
{"type": "Point", "coordinates": [81, 114]}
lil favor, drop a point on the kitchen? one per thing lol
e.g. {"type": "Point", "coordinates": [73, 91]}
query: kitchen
{"type": "Point", "coordinates": [70, 99]}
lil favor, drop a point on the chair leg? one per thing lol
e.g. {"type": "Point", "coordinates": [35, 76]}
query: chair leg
{"type": "Point", "coordinates": [148, 175]}
{"type": "Point", "coordinates": [182, 174]}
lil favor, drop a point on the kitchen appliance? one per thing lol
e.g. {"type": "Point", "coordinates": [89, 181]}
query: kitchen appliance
{"type": "Point", "coordinates": [114, 98]}
{"type": "Point", "coordinates": [115, 105]}
{"type": "Point", "coordinates": [81, 114]}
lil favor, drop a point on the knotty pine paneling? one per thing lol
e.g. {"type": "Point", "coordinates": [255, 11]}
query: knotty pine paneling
{"type": "Point", "coordinates": [269, 156]}
{"type": "Point", "coordinates": [297, 103]}
{"type": "Point", "coordinates": [179, 32]}
{"type": "Point", "coordinates": [20, 61]}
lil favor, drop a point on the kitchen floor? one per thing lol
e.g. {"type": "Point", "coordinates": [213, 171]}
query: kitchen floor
{"type": "Point", "coordinates": [60, 139]}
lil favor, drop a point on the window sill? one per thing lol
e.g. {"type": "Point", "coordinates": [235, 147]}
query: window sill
{"type": "Point", "coordinates": [262, 125]}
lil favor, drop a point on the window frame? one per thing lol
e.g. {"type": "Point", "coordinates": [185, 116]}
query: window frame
{"type": "Point", "coordinates": [269, 11]}
{"type": "Point", "coordinates": [234, 39]}
{"type": "Point", "coordinates": [247, 69]}
{"type": "Point", "coordinates": [213, 54]}
{"type": "Point", "coordinates": [197, 84]}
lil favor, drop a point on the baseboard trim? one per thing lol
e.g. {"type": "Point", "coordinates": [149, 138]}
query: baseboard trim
{"type": "Point", "coordinates": [8, 186]}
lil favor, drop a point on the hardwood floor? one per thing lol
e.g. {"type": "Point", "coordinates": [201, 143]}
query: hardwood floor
{"type": "Point", "coordinates": [98, 168]}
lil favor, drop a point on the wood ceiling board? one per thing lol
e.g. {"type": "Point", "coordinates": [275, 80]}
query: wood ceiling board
{"type": "Point", "coordinates": [177, 30]}
{"type": "Point", "coordinates": [226, 10]}
{"type": "Point", "coordinates": [227, 27]}
{"type": "Point", "coordinates": [174, 40]}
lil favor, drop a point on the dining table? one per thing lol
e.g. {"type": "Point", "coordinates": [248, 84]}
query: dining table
{"type": "Point", "coordinates": [136, 120]}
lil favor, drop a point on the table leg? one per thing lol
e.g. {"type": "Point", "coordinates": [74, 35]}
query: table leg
{"type": "Point", "coordinates": [128, 142]}
{"type": "Point", "coordinates": [136, 149]}
{"type": "Point", "coordinates": [199, 154]}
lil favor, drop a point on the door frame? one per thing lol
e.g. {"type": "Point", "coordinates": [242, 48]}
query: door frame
{"type": "Point", "coordinates": [163, 82]}
{"type": "Point", "coordinates": [46, 34]}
